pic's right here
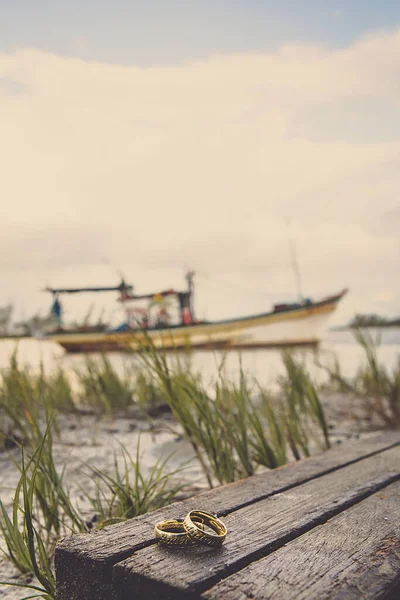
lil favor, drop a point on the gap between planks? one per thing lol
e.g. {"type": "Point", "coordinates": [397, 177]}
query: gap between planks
{"type": "Point", "coordinates": [356, 554]}
{"type": "Point", "coordinates": [280, 524]}
{"type": "Point", "coordinates": [99, 552]}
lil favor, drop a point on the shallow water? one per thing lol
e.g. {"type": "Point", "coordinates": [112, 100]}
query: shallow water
{"type": "Point", "coordinates": [264, 365]}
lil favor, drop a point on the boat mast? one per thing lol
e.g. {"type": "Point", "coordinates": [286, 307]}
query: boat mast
{"type": "Point", "coordinates": [190, 280]}
{"type": "Point", "coordinates": [295, 265]}
{"type": "Point", "coordinates": [123, 288]}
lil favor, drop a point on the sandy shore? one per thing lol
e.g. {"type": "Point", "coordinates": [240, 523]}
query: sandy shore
{"type": "Point", "coordinates": [92, 441]}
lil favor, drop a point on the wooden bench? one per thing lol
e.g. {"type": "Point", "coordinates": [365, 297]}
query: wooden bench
{"type": "Point", "coordinates": [326, 527]}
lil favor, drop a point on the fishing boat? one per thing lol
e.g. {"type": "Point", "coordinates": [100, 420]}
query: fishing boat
{"type": "Point", "coordinates": [168, 321]}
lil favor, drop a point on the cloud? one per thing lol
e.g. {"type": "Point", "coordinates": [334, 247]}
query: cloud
{"type": "Point", "coordinates": [56, 247]}
{"type": "Point", "coordinates": [201, 164]}
{"type": "Point", "coordinates": [10, 87]}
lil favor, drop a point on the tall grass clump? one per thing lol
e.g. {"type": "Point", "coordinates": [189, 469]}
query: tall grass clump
{"type": "Point", "coordinates": [23, 402]}
{"type": "Point", "coordinates": [303, 412]}
{"type": "Point", "coordinates": [43, 511]}
{"type": "Point", "coordinates": [238, 427]}
{"type": "Point", "coordinates": [19, 410]}
{"type": "Point", "coordinates": [27, 398]}
{"type": "Point", "coordinates": [374, 383]}
{"type": "Point", "coordinates": [57, 393]}
{"type": "Point", "coordinates": [26, 548]}
{"type": "Point", "coordinates": [102, 387]}
{"type": "Point", "coordinates": [51, 502]}
{"type": "Point", "coordinates": [127, 492]}
{"type": "Point", "coordinates": [148, 394]}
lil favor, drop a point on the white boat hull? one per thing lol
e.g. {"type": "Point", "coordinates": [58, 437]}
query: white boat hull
{"type": "Point", "coordinates": [299, 325]}
{"type": "Point", "coordinates": [308, 330]}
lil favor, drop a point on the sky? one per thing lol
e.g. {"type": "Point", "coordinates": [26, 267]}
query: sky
{"type": "Point", "coordinates": [147, 138]}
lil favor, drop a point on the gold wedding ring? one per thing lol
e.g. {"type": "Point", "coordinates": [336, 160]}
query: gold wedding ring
{"type": "Point", "coordinates": [173, 533]}
{"type": "Point", "coordinates": [194, 524]}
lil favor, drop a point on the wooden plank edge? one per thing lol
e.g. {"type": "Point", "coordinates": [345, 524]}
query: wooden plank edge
{"type": "Point", "coordinates": [375, 567]}
{"type": "Point", "coordinates": [317, 475]}
{"type": "Point", "coordinates": [334, 510]}
{"type": "Point", "coordinates": [123, 581]}
{"type": "Point", "coordinates": [71, 550]}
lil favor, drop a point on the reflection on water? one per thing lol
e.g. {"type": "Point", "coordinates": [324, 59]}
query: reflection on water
{"type": "Point", "coordinates": [264, 365]}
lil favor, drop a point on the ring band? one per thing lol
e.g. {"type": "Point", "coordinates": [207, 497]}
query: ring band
{"type": "Point", "coordinates": [173, 533]}
{"type": "Point", "coordinates": [194, 524]}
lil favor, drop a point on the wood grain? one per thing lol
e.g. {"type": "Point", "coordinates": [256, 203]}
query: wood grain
{"type": "Point", "coordinates": [84, 562]}
{"type": "Point", "coordinates": [354, 555]}
{"type": "Point", "coordinates": [254, 531]}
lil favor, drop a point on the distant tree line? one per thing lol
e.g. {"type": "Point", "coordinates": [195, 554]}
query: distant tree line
{"type": "Point", "coordinates": [373, 321]}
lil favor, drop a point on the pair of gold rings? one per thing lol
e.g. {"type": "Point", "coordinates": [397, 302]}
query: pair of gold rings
{"type": "Point", "coordinates": [191, 530]}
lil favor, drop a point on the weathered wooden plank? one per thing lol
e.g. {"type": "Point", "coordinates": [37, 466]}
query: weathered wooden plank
{"type": "Point", "coordinates": [82, 560]}
{"type": "Point", "coordinates": [353, 555]}
{"type": "Point", "coordinates": [254, 531]}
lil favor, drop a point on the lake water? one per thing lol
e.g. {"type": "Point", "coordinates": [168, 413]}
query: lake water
{"type": "Point", "coordinates": [264, 365]}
